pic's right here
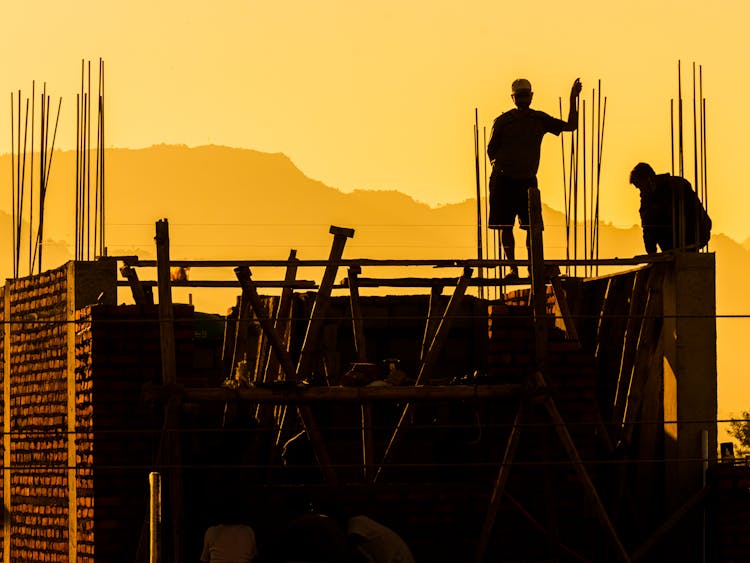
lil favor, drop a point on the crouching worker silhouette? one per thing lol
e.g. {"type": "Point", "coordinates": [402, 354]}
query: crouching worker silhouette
{"type": "Point", "coordinates": [672, 216]}
{"type": "Point", "coordinates": [514, 151]}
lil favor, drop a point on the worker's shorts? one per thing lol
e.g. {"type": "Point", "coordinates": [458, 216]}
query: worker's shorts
{"type": "Point", "coordinates": [509, 198]}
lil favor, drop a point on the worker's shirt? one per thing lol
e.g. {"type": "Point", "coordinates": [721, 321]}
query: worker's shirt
{"type": "Point", "coordinates": [229, 544]}
{"type": "Point", "coordinates": [516, 141]}
{"type": "Point", "coordinates": [671, 210]}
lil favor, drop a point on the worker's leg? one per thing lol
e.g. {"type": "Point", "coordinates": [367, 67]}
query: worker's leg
{"type": "Point", "coordinates": [528, 243]}
{"type": "Point", "coordinates": [509, 247]}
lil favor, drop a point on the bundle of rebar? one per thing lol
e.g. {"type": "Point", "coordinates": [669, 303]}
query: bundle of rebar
{"type": "Point", "coordinates": [677, 147]}
{"type": "Point", "coordinates": [90, 225]}
{"type": "Point", "coordinates": [586, 164]}
{"type": "Point", "coordinates": [19, 183]}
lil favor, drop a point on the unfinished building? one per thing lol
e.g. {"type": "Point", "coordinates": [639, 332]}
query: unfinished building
{"type": "Point", "coordinates": [576, 427]}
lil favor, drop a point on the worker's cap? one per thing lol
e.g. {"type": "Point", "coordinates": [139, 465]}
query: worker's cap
{"type": "Point", "coordinates": [520, 85]}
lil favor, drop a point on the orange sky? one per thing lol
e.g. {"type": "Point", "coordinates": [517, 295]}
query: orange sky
{"type": "Point", "coordinates": [381, 95]}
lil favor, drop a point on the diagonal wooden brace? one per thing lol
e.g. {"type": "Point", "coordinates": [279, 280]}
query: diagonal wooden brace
{"type": "Point", "coordinates": [322, 300]}
{"type": "Point", "coordinates": [588, 486]}
{"type": "Point", "coordinates": [282, 324]}
{"type": "Point", "coordinates": [358, 326]}
{"type": "Point", "coordinates": [142, 295]}
{"type": "Point", "coordinates": [499, 487]}
{"type": "Point", "coordinates": [308, 421]}
{"type": "Point", "coordinates": [441, 334]}
{"type": "Point", "coordinates": [250, 294]}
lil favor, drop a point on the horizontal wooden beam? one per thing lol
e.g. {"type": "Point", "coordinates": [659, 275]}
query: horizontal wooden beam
{"type": "Point", "coordinates": [294, 284]}
{"type": "Point", "coordinates": [305, 394]}
{"type": "Point", "coordinates": [437, 263]}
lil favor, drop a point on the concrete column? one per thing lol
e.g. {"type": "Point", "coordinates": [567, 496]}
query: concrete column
{"type": "Point", "coordinates": [690, 396]}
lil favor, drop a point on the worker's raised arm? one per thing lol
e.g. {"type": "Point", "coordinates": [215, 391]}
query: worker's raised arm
{"type": "Point", "coordinates": [575, 90]}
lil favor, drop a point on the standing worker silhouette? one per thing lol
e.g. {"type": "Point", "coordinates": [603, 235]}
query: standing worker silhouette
{"type": "Point", "coordinates": [514, 150]}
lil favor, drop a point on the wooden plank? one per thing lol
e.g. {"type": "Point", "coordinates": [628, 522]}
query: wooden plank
{"type": "Point", "coordinates": [438, 263]}
{"type": "Point", "coordinates": [443, 327]}
{"type": "Point", "coordinates": [142, 294]}
{"type": "Point", "coordinates": [283, 326]}
{"type": "Point", "coordinates": [636, 310]}
{"type": "Point", "coordinates": [433, 319]}
{"type": "Point", "coordinates": [691, 504]}
{"type": "Point", "coordinates": [251, 297]}
{"type": "Point", "coordinates": [561, 299]}
{"type": "Point", "coordinates": [283, 321]}
{"type": "Point", "coordinates": [368, 458]}
{"type": "Point", "coordinates": [317, 394]}
{"type": "Point", "coordinates": [322, 299]}
{"type": "Point", "coordinates": [270, 284]}
{"type": "Point", "coordinates": [583, 476]}
{"type": "Point", "coordinates": [311, 427]}
{"type": "Point", "coordinates": [499, 486]}
{"type": "Point", "coordinates": [166, 312]}
{"type": "Point", "coordinates": [169, 379]}
{"type": "Point", "coordinates": [242, 330]}
{"type": "Point", "coordinates": [610, 333]}
{"type": "Point", "coordinates": [70, 365]}
{"type": "Point", "coordinates": [230, 335]}
{"type": "Point", "coordinates": [427, 365]}
{"type": "Point", "coordinates": [358, 327]}
{"type": "Point", "coordinates": [647, 360]}
{"type": "Point", "coordinates": [317, 442]}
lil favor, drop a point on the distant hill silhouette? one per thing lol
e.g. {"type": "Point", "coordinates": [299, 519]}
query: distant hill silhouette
{"type": "Point", "coordinates": [241, 204]}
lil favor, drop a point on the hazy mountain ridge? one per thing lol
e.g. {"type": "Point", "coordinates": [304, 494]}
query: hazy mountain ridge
{"type": "Point", "coordinates": [242, 204]}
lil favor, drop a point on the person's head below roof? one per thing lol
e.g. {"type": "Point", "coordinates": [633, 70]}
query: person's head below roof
{"type": "Point", "coordinates": [521, 92]}
{"type": "Point", "coordinates": [642, 175]}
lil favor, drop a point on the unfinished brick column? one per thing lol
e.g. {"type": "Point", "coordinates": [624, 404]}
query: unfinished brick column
{"type": "Point", "coordinates": [39, 489]}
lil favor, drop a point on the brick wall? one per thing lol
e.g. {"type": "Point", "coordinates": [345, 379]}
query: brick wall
{"type": "Point", "coordinates": [38, 443]}
{"type": "Point", "coordinates": [117, 354]}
